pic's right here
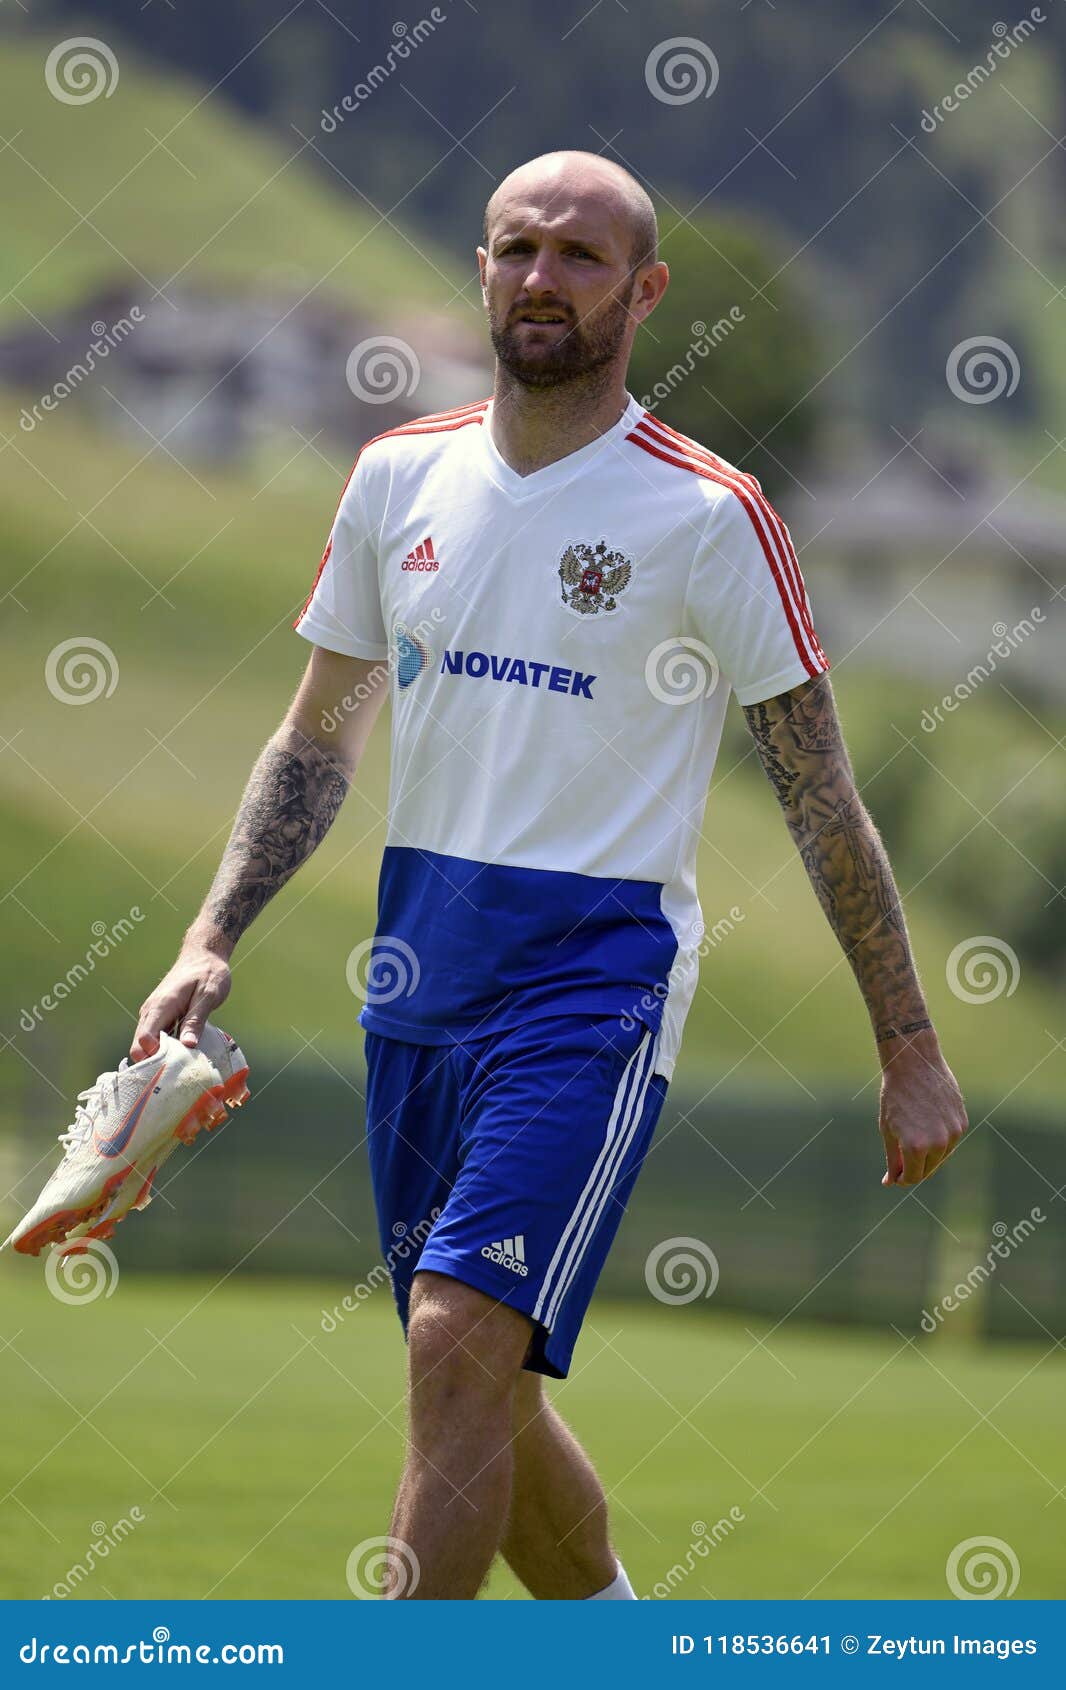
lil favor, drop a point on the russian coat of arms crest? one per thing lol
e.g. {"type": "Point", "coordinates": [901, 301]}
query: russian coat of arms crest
{"type": "Point", "coordinates": [591, 577]}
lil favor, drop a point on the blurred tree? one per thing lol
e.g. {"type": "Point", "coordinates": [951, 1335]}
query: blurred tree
{"type": "Point", "coordinates": [731, 354]}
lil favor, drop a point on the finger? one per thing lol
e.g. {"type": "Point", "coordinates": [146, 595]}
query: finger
{"type": "Point", "coordinates": [933, 1159]}
{"type": "Point", "coordinates": [954, 1140]}
{"type": "Point", "coordinates": [145, 1041]}
{"type": "Point", "coordinates": [195, 1019]}
{"type": "Point", "coordinates": [913, 1165]}
{"type": "Point", "coordinates": [893, 1160]}
{"type": "Point", "coordinates": [939, 1154]}
{"type": "Point", "coordinates": [158, 1014]}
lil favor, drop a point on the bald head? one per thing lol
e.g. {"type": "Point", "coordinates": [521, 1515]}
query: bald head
{"type": "Point", "coordinates": [563, 183]}
{"type": "Point", "coordinates": [568, 270]}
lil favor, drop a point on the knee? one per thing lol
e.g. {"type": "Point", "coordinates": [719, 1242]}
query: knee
{"type": "Point", "coordinates": [463, 1348]}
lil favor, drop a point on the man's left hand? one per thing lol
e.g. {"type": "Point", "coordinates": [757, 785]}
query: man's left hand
{"type": "Point", "coordinates": [923, 1116]}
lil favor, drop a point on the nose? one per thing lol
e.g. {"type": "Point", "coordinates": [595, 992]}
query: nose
{"type": "Point", "coordinates": [541, 277]}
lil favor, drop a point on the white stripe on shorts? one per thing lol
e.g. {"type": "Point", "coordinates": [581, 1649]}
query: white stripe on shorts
{"type": "Point", "coordinates": [593, 1215]}
{"type": "Point", "coordinates": [620, 1129]}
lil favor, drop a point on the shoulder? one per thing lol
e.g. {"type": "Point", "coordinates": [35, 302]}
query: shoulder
{"type": "Point", "coordinates": [423, 437]}
{"type": "Point", "coordinates": [405, 448]}
{"type": "Point", "coordinates": [730, 499]}
{"type": "Point", "coordinates": [690, 467]}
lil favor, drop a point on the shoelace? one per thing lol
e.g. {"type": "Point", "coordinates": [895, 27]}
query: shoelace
{"type": "Point", "coordinates": [87, 1100]}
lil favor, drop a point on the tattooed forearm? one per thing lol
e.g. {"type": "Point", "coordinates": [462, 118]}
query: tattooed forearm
{"type": "Point", "coordinates": [760, 718]}
{"type": "Point", "coordinates": [801, 748]}
{"type": "Point", "coordinates": [292, 797]}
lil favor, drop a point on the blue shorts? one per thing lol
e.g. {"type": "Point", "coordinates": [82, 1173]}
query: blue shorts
{"type": "Point", "coordinates": [507, 1161]}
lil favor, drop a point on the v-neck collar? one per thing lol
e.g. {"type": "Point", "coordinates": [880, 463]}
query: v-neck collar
{"type": "Point", "coordinates": [563, 469]}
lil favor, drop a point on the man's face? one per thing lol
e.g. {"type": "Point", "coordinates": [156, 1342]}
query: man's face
{"type": "Point", "coordinates": [558, 283]}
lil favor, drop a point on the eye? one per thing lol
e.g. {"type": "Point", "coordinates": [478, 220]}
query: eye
{"type": "Point", "coordinates": [583, 252]}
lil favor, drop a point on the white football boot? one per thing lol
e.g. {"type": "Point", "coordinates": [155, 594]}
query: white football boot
{"type": "Point", "coordinates": [125, 1127]}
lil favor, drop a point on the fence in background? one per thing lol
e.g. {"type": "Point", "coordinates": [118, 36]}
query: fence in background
{"type": "Point", "coordinates": [787, 1196]}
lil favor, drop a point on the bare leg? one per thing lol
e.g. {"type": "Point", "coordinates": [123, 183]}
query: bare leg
{"type": "Point", "coordinates": [466, 1352]}
{"type": "Point", "coordinates": [556, 1536]}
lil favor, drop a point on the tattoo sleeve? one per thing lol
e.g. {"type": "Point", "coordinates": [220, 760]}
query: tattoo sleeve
{"type": "Point", "coordinates": [801, 747]}
{"type": "Point", "coordinates": [293, 794]}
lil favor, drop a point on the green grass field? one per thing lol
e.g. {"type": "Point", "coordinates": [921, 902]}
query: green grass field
{"type": "Point", "coordinates": [260, 1450]}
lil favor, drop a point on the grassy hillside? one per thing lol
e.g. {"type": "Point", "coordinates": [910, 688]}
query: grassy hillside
{"type": "Point", "coordinates": [160, 185]}
{"type": "Point", "coordinates": [905, 243]}
{"type": "Point", "coordinates": [98, 818]}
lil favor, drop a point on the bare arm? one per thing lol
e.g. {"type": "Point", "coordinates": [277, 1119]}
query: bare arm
{"type": "Point", "coordinates": [802, 750]}
{"type": "Point", "coordinates": [294, 792]}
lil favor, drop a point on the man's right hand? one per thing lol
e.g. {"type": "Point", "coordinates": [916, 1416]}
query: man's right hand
{"type": "Point", "coordinates": [198, 982]}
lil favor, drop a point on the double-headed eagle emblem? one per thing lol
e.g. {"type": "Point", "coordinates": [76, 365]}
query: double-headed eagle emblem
{"type": "Point", "coordinates": [591, 577]}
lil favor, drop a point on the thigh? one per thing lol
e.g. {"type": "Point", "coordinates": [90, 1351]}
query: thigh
{"type": "Point", "coordinates": [413, 1144]}
{"type": "Point", "coordinates": [556, 1120]}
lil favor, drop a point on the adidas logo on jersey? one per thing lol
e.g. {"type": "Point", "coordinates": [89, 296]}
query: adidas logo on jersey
{"type": "Point", "coordinates": [509, 1253]}
{"type": "Point", "coordinates": [422, 558]}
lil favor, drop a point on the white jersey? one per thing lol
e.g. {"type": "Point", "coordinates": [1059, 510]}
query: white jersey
{"type": "Point", "coordinates": [562, 647]}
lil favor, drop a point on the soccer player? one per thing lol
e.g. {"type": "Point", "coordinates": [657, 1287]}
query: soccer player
{"type": "Point", "coordinates": [515, 574]}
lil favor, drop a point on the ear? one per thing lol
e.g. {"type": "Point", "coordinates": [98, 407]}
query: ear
{"type": "Point", "coordinates": [482, 260]}
{"type": "Point", "coordinates": [648, 288]}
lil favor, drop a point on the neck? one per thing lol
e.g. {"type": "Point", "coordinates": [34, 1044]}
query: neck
{"type": "Point", "coordinates": [535, 426]}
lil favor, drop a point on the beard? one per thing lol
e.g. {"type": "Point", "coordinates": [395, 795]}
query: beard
{"type": "Point", "coordinates": [580, 350]}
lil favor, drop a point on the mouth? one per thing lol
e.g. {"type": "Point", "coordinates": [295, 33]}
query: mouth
{"type": "Point", "coordinates": [542, 319]}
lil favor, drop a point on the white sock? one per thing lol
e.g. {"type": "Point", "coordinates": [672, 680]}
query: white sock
{"type": "Point", "coordinates": [620, 1590]}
